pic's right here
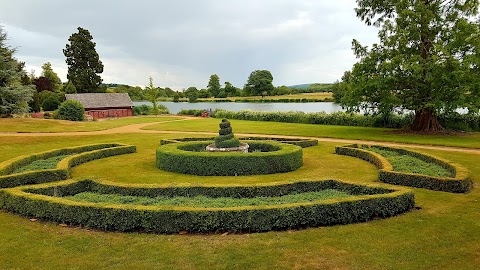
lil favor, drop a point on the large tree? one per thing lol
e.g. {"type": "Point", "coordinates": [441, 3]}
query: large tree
{"type": "Point", "coordinates": [48, 73]}
{"type": "Point", "coordinates": [427, 60]}
{"type": "Point", "coordinates": [84, 65]}
{"type": "Point", "coordinates": [214, 85]}
{"type": "Point", "coordinates": [14, 96]}
{"type": "Point", "coordinates": [259, 83]}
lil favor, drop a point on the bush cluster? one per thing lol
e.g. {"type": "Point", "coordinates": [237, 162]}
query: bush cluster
{"type": "Point", "coordinates": [461, 183]}
{"type": "Point", "coordinates": [304, 143]}
{"type": "Point", "coordinates": [78, 156]}
{"type": "Point", "coordinates": [71, 110]}
{"type": "Point", "coordinates": [172, 158]}
{"type": "Point", "coordinates": [373, 202]}
{"type": "Point", "coordinates": [148, 110]}
{"type": "Point", "coordinates": [461, 122]}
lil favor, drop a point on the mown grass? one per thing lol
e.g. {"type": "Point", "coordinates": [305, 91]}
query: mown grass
{"type": "Point", "coordinates": [51, 125]}
{"type": "Point", "coordinates": [206, 202]}
{"type": "Point", "coordinates": [470, 140]}
{"type": "Point", "coordinates": [410, 164]}
{"type": "Point", "coordinates": [41, 164]}
{"type": "Point", "coordinates": [442, 234]}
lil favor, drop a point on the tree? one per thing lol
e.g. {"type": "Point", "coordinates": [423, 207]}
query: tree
{"type": "Point", "coordinates": [191, 93]}
{"type": "Point", "coordinates": [14, 96]}
{"type": "Point", "coordinates": [70, 88]}
{"type": "Point", "coordinates": [230, 90]}
{"type": "Point", "coordinates": [427, 60]}
{"type": "Point", "coordinates": [259, 83]}
{"type": "Point", "coordinates": [214, 85]}
{"type": "Point", "coordinates": [152, 94]}
{"type": "Point", "coordinates": [42, 84]}
{"type": "Point", "coordinates": [50, 75]}
{"type": "Point", "coordinates": [83, 62]}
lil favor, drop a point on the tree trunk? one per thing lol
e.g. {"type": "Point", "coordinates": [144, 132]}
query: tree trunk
{"type": "Point", "coordinates": [426, 121]}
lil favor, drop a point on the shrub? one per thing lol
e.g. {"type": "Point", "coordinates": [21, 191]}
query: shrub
{"type": "Point", "coordinates": [148, 110]}
{"type": "Point", "coordinates": [372, 202]}
{"type": "Point", "coordinates": [51, 103]}
{"type": "Point", "coordinates": [71, 110]}
{"type": "Point", "coordinates": [304, 143]}
{"type": "Point", "coordinates": [461, 183]}
{"type": "Point", "coordinates": [171, 157]}
{"type": "Point", "coordinates": [226, 138]}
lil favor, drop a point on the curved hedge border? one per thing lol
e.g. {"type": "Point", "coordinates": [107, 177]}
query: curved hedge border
{"type": "Point", "coordinates": [461, 183]}
{"type": "Point", "coordinates": [304, 143]}
{"type": "Point", "coordinates": [373, 202]}
{"type": "Point", "coordinates": [80, 154]}
{"type": "Point", "coordinates": [172, 158]}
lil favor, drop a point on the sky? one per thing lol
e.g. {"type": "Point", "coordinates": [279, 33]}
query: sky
{"type": "Point", "coordinates": [181, 43]}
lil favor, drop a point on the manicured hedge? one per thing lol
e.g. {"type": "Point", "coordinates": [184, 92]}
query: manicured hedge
{"type": "Point", "coordinates": [165, 219]}
{"type": "Point", "coordinates": [304, 143]}
{"type": "Point", "coordinates": [80, 155]}
{"type": "Point", "coordinates": [461, 183]}
{"type": "Point", "coordinates": [172, 158]}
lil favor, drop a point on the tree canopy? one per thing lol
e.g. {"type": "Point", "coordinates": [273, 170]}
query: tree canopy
{"type": "Point", "coordinates": [152, 94]}
{"type": "Point", "coordinates": [14, 96]}
{"type": "Point", "coordinates": [50, 75]}
{"type": "Point", "coordinates": [427, 60]}
{"type": "Point", "coordinates": [259, 83]}
{"type": "Point", "coordinates": [84, 65]}
{"type": "Point", "coordinates": [214, 85]}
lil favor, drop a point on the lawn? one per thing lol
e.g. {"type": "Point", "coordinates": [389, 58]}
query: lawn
{"type": "Point", "coordinates": [50, 125]}
{"type": "Point", "coordinates": [470, 140]}
{"type": "Point", "coordinates": [444, 233]}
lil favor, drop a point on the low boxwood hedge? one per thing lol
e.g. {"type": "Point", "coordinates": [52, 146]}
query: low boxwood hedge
{"type": "Point", "coordinates": [461, 183]}
{"type": "Point", "coordinates": [304, 143]}
{"type": "Point", "coordinates": [172, 158]}
{"type": "Point", "coordinates": [79, 155]}
{"type": "Point", "coordinates": [376, 202]}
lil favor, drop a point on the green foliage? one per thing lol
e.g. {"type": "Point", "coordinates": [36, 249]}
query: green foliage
{"type": "Point", "coordinates": [304, 143]}
{"type": "Point", "coordinates": [226, 139]}
{"type": "Point", "coordinates": [403, 162]}
{"type": "Point", "coordinates": [214, 85]}
{"type": "Point", "coordinates": [77, 156]}
{"type": "Point", "coordinates": [461, 183]}
{"type": "Point", "coordinates": [148, 110]}
{"type": "Point", "coordinates": [84, 65]}
{"type": "Point", "coordinates": [173, 158]}
{"type": "Point", "coordinates": [14, 96]}
{"type": "Point", "coordinates": [71, 110]}
{"type": "Point", "coordinates": [427, 60]}
{"type": "Point", "coordinates": [207, 202]}
{"type": "Point", "coordinates": [375, 202]}
{"type": "Point", "coordinates": [50, 75]}
{"type": "Point", "coordinates": [51, 103]}
{"type": "Point", "coordinates": [70, 88]}
{"type": "Point", "coordinates": [259, 83]}
{"type": "Point", "coordinates": [153, 94]}
{"type": "Point", "coordinates": [192, 94]}
{"type": "Point", "coordinates": [41, 164]}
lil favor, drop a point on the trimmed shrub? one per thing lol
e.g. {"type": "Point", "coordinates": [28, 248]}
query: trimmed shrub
{"type": "Point", "coordinates": [78, 156]}
{"type": "Point", "coordinates": [373, 202]}
{"type": "Point", "coordinates": [226, 138]}
{"type": "Point", "coordinates": [71, 110]}
{"type": "Point", "coordinates": [461, 183]}
{"type": "Point", "coordinates": [304, 143]}
{"type": "Point", "coordinates": [172, 158]}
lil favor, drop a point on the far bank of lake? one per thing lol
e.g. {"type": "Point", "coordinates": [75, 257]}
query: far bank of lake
{"type": "Point", "coordinates": [175, 107]}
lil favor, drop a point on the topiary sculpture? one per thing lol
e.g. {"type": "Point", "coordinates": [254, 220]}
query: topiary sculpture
{"type": "Point", "coordinates": [226, 139]}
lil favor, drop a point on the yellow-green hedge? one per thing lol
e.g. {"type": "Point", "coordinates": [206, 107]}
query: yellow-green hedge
{"type": "Point", "coordinates": [173, 158]}
{"type": "Point", "coordinates": [80, 154]}
{"type": "Point", "coordinates": [375, 202]}
{"type": "Point", "coordinates": [461, 183]}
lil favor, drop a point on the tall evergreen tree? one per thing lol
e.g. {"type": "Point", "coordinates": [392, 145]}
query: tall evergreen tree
{"type": "Point", "coordinates": [83, 62]}
{"type": "Point", "coordinates": [214, 85]}
{"type": "Point", "coordinates": [14, 96]}
{"type": "Point", "coordinates": [427, 60]}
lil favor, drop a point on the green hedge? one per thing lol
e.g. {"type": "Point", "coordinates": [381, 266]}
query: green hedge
{"type": "Point", "coordinates": [461, 183]}
{"type": "Point", "coordinates": [164, 219]}
{"type": "Point", "coordinates": [80, 155]}
{"type": "Point", "coordinates": [171, 158]}
{"type": "Point", "coordinates": [304, 143]}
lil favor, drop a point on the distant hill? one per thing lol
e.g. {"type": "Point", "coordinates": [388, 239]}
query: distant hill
{"type": "Point", "coordinates": [300, 86]}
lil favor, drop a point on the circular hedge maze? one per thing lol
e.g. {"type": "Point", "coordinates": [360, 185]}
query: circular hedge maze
{"type": "Point", "coordinates": [46, 193]}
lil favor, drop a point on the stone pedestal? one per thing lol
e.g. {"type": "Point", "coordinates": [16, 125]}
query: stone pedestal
{"type": "Point", "coordinates": [243, 148]}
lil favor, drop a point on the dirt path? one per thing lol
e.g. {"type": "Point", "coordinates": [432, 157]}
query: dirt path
{"type": "Point", "coordinates": [138, 128]}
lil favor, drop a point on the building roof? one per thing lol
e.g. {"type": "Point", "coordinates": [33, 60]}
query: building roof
{"type": "Point", "coordinates": [102, 100]}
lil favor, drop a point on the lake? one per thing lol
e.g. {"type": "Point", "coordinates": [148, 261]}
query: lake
{"type": "Point", "coordinates": [175, 107]}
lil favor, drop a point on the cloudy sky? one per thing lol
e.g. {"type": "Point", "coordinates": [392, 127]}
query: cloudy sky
{"type": "Point", "coordinates": [181, 43]}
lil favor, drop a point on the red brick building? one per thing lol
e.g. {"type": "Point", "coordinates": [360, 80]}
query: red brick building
{"type": "Point", "coordinates": [104, 105]}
